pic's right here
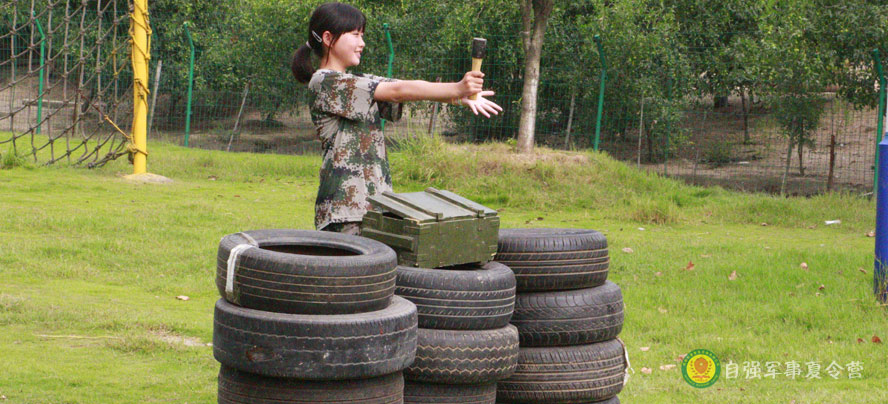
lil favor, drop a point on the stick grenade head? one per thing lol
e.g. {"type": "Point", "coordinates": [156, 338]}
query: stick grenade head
{"type": "Point", "coordinates": [479, 49]}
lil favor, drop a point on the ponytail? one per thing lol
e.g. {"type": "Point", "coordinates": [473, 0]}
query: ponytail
{"type": "Point", "coordinates": [301, 64]}
{"type": "Point", "coordinates": [337, 18]}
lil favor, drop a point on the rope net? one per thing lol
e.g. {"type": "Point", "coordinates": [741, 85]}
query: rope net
{"type": "Point", "coordinates": [65, 80]}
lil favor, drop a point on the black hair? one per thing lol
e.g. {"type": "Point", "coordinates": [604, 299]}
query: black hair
{"type": "Point", "coordinates": [338, 18]}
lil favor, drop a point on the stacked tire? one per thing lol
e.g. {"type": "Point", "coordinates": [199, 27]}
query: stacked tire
{"type": "Point", "coordinates": [568, 317]}
{"type": "Point", "coordinates": [465, 343]}
{"type": "Point", "coordinates": [310, 317]}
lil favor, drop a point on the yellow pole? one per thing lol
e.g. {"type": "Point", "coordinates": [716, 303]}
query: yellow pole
{"type": "Point", "coordinates": [141, 53]}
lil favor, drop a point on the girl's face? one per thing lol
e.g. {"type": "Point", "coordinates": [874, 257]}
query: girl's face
{"type": "Point", "coordinates": [346, 52]}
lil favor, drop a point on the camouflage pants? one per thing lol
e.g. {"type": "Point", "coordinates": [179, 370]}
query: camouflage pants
{"type": "Point", "coordinates": [353, 228]}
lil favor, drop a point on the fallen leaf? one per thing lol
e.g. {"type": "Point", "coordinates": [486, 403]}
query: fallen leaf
{"type": "Point", "coordinates": [646, 371]}
{"type": "Point", "coordinates": [818, 294]}
{"type": "Point", "coordinates": [662, 310]}
{"type": "Point", "coordinates": [862, 270]}
{"type": "Point", "coordinates": [645, 348]}
{"type": "Point", "coordinates": [212, 178]}
{"type": "Point", "coordinates": [658, 273]}
{"type": "Point", "coordinates": [183, 298]}
{"type": "Point", "coordinates": [237, 196]}
{"type": "Point", "coordinates": [871, 234]}
{"type": "Point", "coordinates": [812, 227]}
{"type": "Point", "coordinates": [792, 294]}
{"type": "Point", "coordinates": [804, 266]}
{"type": "Point", "coordinates": [821, 287]}
{"type": "Point", "coordinates": [767, 248]}
{"type": "Point", "coordinates": [690, 266]}
{"type": "Point", "coordinates": [876, 340]}
{"type": "Point", "coordinates": [667, 367]}
{"type": "Point", "coordinates": [860, 340]}
{"type": "Point", "coordinates": [680, 358]}
{"type": "Point", "coordinates": [628, 250]}
{"type": "Point", "coordinates": [540, 218]}
{"type": "Point", "coordinates": [732, 276]}
{"type": "Point", "coordinates": [764, 224]}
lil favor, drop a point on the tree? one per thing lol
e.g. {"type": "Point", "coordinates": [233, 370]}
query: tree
{"type": "Point", "coordinates": [534, 17]}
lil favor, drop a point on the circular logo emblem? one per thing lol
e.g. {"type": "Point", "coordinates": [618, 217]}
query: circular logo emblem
{"type": "Point", "coordinates": [700, 368]}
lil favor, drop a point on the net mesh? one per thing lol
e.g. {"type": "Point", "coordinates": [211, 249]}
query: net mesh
{"type": "Point", "coordinates": [65, 80]}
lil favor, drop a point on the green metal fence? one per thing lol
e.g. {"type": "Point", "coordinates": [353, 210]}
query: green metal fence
{"type": "Point", "coordinates": [643, 107]}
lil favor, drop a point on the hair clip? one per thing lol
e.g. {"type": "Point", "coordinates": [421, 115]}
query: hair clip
{"type": "Point", "coordinates": [316, 36]}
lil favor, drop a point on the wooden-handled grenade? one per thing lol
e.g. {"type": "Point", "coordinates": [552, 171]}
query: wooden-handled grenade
{"type": "Point", "coordinates": [479, 49]}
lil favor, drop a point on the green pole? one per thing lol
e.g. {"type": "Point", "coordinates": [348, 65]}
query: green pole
{"type": "Point", "coordinates": [190, 85]}
{"type": "Point", "coordinates": [391, 58]}
{"type": "Point", "coordinates": [40, 85]}
{"type": "Point", "coordinates": [877, 58]}
{"type": "Point", "coordinates": [597, 40]}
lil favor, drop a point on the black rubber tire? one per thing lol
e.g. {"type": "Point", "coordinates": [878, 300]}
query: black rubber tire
{"type": "Point", "coordinates": [464, 357]}
{"type": "Point", "coordinates": [236, 387]}
{"type": "Point", "coordinates": [569, 317]}
{"type": "Point", "coordinates": [566, 375]}
{"type": "Point", "coordinates": [612, 400]}
{"type": "Point", "coordinates": [554, 259]}
{"type": "Point", "coordinates": [466, 298]}
{"type": "Point", "coordinates": [433, 393]}
{"type": "Point", "coordinates": [304, 272]}
{"type": "Point", "coordinates": [316, 347]}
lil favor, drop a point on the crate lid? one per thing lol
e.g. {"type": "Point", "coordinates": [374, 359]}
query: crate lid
{"type": "Point", "coordinates": [429, 206]}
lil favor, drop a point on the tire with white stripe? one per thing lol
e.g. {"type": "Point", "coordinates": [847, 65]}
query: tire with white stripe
{"type": "Point", "coordinates": [306, 272]}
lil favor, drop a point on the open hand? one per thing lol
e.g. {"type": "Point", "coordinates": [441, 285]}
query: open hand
{"type": "Point", "coordinates": [482, 105]}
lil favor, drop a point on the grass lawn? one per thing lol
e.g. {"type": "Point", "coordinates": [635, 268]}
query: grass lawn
{"type": "Point", "coordinates": [91, 265]}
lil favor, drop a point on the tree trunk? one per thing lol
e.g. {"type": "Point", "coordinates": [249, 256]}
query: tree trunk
{"type": "Point", "coordinates": [570, 117]}
{"type": "Point", "coordinates": [535, 16]}
{"type": "Point", "coordinates": [786, 168]}
{"type": "Point", "coordinates": [746, 108]}
{"type": "Point", "coordinates": [801, 149]}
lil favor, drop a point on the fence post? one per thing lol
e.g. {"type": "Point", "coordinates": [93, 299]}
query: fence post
{"type": "Point", "coordinates": [391, 58]}
{"type": "Point", "coordinates": [190, 85]}
{"type": "Point", "coordinates": [42, 67]}
{"type": "Point", "coordinates": [141, 53]}
{"type": "Point", "coordinates": [601, 56]}
{"type": "Point", "coordinates": [880, 127]}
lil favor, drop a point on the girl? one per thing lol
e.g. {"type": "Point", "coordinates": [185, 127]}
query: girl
{"type": "Point", "coordinates": [347, 108]}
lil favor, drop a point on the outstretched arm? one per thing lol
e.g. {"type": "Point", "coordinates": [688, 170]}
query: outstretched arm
{"type": "Point", "coordinates": [453, 93]}
{"type": "Point", "coordinates": [419, 90]}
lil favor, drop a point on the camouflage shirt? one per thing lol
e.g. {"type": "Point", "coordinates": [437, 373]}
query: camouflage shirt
{"type": "Point", "coordinates": [355, 164]}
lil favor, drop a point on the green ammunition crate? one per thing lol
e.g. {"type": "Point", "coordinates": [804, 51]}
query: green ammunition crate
{"type": "Point", "coordinates": [433, 228]}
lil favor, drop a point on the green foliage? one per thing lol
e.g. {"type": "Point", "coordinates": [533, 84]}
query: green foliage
{"type": "Point", "coordinates": [693, 49]}
{"type": "Point", "coordinates": [12, 159]}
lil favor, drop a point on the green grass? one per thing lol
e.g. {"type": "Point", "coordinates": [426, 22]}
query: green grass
{"type": "Point", "coordinates": [90, 267]}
